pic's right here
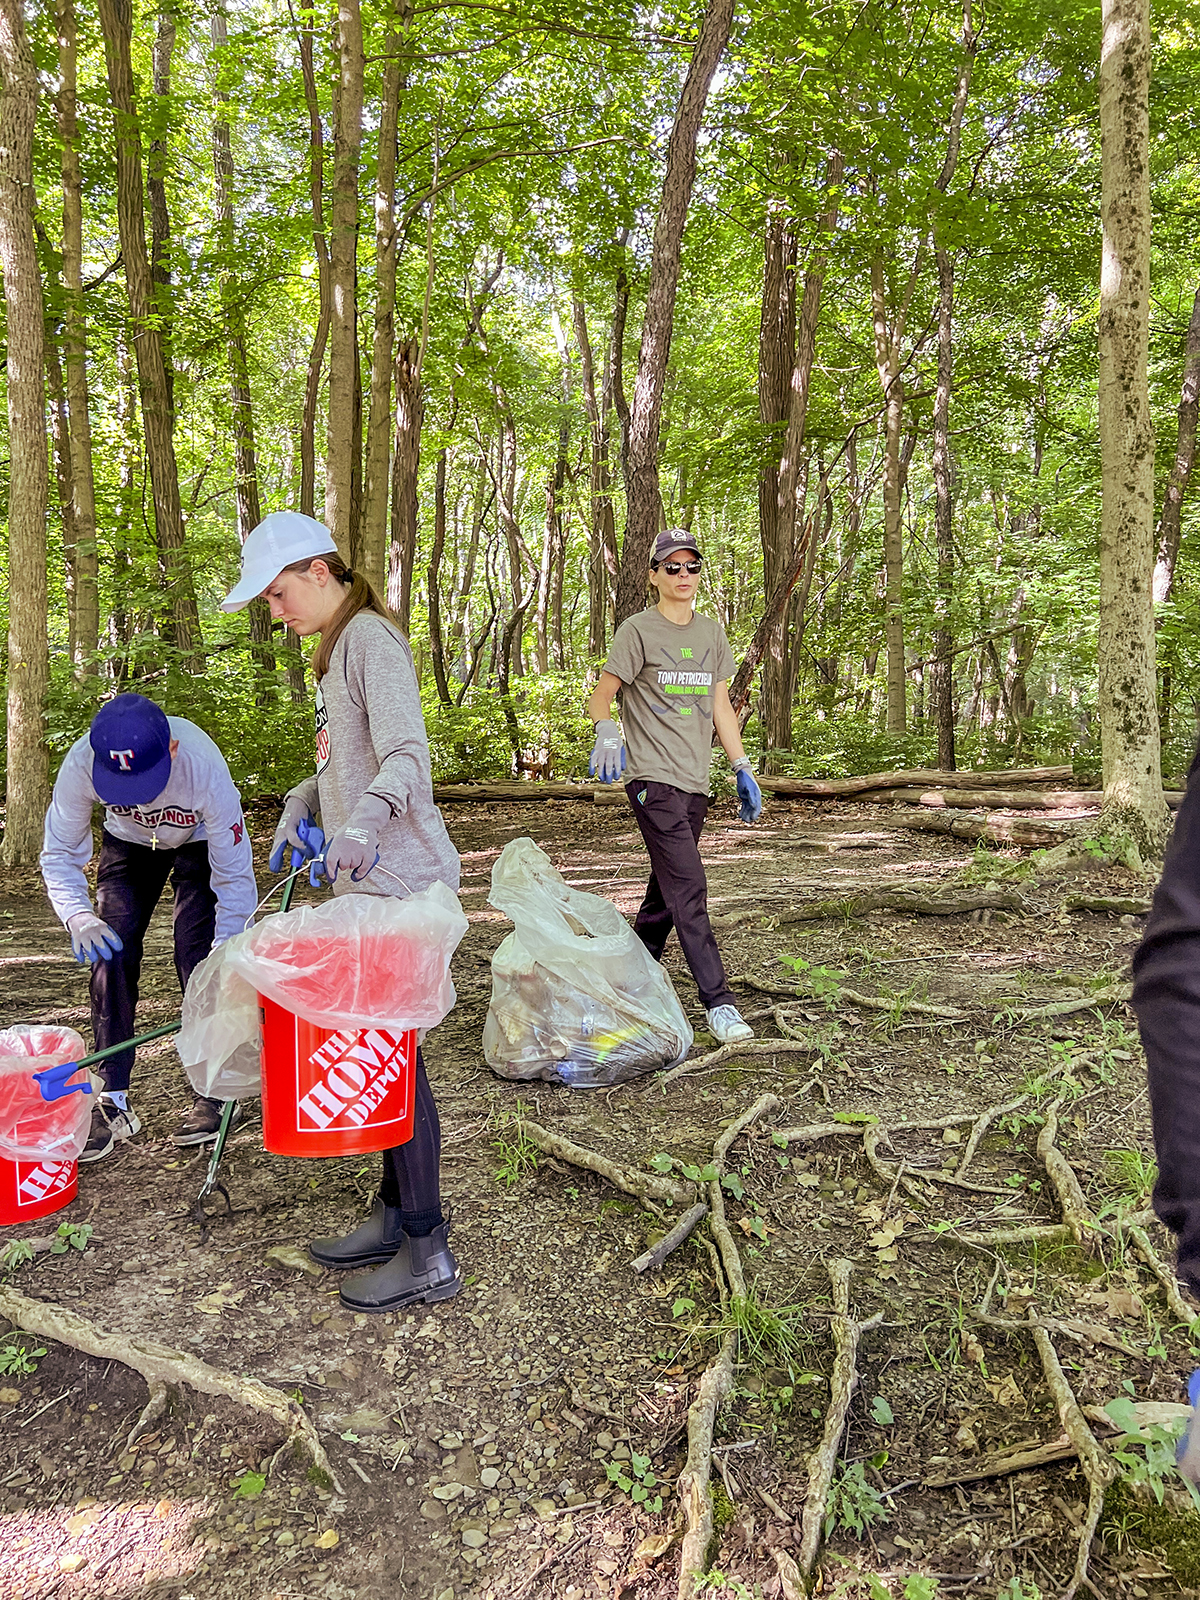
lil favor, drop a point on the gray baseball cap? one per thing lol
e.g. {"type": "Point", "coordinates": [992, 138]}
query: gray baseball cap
{"type": "Point", "coordinates": [671, 542]}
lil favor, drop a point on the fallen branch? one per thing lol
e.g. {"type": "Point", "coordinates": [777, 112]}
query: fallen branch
{"type": "Point", "coordinates": [921, 777]}
{"type": "Point", "coordinates": [842, 1383]}
{"type": "Point", "coordinates": [1097, 1468]}
{"type": "Point", "coordinates": [645, 1185]}
{"type": "Point", "coordinates": [1116, 905]}
{"type": "Point", "coordinates": [160, 1365]}
{"type": "Point", "coordinates": [729, 1052]}
{"type": "Point", "coordinates": [999, 829]}
{"type": "Point", "coordinates": [1079, 1217]}
{"type": "Point", "coordinates": [683, 1229]}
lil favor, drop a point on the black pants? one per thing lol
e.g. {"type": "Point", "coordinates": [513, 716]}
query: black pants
{"type": "Point", "coordinates": [677, 895]}
{"type": "Point", "coordinates": [411, 1172]}
{"type": "Point", "coordinates": [130, 880]}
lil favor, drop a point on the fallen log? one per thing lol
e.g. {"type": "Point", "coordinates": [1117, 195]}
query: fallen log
{"type": "Point", "coordinates": [1007, 799]}
{"type": "Point", "coordinates": [1027, 831]}
{"type": "Point", "coordinates": [523, 789]}
{"type": "Point", "coordinates": [913, 901]}
{"type": "Point", "coordinates": [922, 777]}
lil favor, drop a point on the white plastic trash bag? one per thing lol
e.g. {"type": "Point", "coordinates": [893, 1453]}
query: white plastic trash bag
{"type": "Point", "coordinates": [576, 996]}
{"type": "Point", "coordinates": [33, 1128]}
{"type": "Point", "coordinates": [360, 961]}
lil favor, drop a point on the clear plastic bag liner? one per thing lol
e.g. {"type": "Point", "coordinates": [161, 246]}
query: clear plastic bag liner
{"type": "Point", "coordinates": [576, 997]}
{"type": "Point", "coordinates": [360, 961]}
{"type": "Point", "coordinates": [33, 1129]}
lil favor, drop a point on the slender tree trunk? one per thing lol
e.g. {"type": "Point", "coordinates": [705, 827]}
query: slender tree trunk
{"type": "Point", "coordinates": [175, 569]}
{"type": "Point", "coordinates": [85, 610]}
{"type": "Point", "coordinates": [941, 667]}
{"type": "Point", "coordinates": [510, 523]}
{"type": "Point", "coordinates": [245, 454]}
{"type": "Point", "coordinates": [776, 362]}
{"type": "Point", "coordinates": [406, 462]}
{"type": "Point", "coordinates": [28, 787]}
{"type": "Point", "coordinates": [60, 439]}
{"type": "Point", "coordinates": [887, 359]}
{"type": "Point", "coordinates": [316, 356]}
{"type": "Point", "coordinates": [601, 523]}
{"type": "Point", "coordinates": [437, 651]}
{"type": "Point", "coordinates": [646, 412]}
{"type": "Point", "coordinates": [617, 371]}
{"type": "Point", "coordinates": [1129, 730]}
{"type": "Point", "coordinates": [120, 625]}
{"type": "Point", "coordinates": [343, 459]}
{"type": "Point", "coordinates": [158, 158]}
{"type": "Point", "coordinates": [376, 490]}
{"type": "Point", "coordinates": [1169, 523]}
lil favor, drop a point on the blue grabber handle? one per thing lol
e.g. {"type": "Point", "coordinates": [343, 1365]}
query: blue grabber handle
{"type": "Point", "coordinates": [52, 1081]}
{"type": "Point", "coordinates": [314, 838]}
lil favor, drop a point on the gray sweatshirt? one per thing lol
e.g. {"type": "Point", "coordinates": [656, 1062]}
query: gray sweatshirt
{"type": "Point", "coordinates": [371, 738]}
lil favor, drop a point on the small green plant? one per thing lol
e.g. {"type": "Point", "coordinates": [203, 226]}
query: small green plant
{"type": "Point", "coordinates": [636, 1478]}
{"type": "Point", "coordinates": [823, 983]}
{"type": "Point", "coordinates": [15, 1254]}
{"type": "Point", "coordinates": [1015, 1589]}
{"type": "Point", "coordinates": [18, 1358]}
{"type": "Point", "coordinates": [767, 1335]}
{"type": "Point", "coordinates": [1145, 1456]}
{"type": "Point", "coordinates": [714, 1582]}
{"type": "Point", "coordinates": [1132, 1171]}
{"type": "Point", "coordinates": [664, 1163]}
{"type": "Point", "coordinates": [71, 1236]}
{"type": "Point", "coordinates": [249, 1486]}
{"type": "Point", "coordinates": [917, 1586]}
{"type": "Point", "coordinates": [518, 1154]}
{"type": "Point", "coordinates": [854, 1504]}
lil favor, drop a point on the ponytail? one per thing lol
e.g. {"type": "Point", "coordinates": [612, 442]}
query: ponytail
{"type": "Point", "coordinates": [360, 595]}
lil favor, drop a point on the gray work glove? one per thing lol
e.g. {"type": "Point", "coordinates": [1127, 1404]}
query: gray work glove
{"type": "Point", "coordinates": [92, 939]}
{"type": "Point", "coordinates": [355, 847]}
{"type": "Point", "coordinates": [608, 757]}
{"type": "Point", "coordinates": [295, 811]}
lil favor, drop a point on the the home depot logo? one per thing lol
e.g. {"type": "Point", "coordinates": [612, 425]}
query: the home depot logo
{"type": "Point", "coordinates": [349, 1080]}
{"type": "Point", "coordinates": [39, 1181]}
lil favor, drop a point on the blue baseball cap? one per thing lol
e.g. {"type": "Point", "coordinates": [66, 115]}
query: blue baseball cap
{"type": "Point", "coordinates": [131, 742]}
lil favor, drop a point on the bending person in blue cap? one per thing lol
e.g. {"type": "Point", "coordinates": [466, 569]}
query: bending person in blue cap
{"type": "Point", "coordinates": [373, 792]}
{"type": "Point", "coordinates": [171, 811]}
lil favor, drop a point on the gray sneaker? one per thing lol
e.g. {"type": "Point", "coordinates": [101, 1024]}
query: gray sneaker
{"type": "Point", "coordinates": [728, 1026]}
{"type": "Point", "coordinates": [110, 1126]}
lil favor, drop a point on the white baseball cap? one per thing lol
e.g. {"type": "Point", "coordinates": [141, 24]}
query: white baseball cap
{"type": "Point", "coordinates": [278, 541]}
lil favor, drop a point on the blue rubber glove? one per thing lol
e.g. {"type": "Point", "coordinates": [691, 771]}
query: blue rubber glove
{"type": "Point", "coordinates": [1187, 1453]}
{"type": "Point", "coordinates": [608, 756]}
{"type": "Point", "coordinates": [91, 939]}
{"type": "Point", "coordinates": [313, 839]}
{"type": "Point", "coordinates": [355, 847]}
{"type": "Point", "coordinates": [750, 795]}
{"type": "Point", "coordinates": [295, 815]}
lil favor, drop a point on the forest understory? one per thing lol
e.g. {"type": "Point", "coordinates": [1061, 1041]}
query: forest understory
{"type": "Point", "coordinates": [480, 1448]}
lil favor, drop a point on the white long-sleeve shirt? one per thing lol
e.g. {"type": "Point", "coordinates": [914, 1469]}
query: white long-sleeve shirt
{"type": "Point", "coordinates": [200, 802]}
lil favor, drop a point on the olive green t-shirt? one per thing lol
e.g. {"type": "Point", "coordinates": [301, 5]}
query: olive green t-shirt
{"type": "Point", "coordinates": [669, 673]}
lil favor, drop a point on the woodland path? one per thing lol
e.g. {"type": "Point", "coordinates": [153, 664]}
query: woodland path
{"type": "Point", "coordinates": [471, 1440]}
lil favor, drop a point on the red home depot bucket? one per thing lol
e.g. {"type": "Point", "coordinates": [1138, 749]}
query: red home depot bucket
{"type": "Point", "coordinates": [327, 1093]}
{"type": "Point", "coordinates": [30, 1189]}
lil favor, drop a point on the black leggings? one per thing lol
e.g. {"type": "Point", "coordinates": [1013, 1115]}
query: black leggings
{"type": "Point", "coordinates": [411, 1171]}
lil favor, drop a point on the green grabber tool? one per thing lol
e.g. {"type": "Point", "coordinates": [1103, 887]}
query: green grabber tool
{"type": "Point", "coordinates": [211, 1182]}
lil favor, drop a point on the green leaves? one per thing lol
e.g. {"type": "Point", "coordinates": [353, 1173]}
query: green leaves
{"type": "Point", "coordinates": [249, 1486]}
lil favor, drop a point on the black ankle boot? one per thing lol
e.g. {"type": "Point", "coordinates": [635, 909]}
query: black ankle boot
{"type": "Point", "coordinates": [422, 1269]}
{"type": "Point", "coordinates": [376, 1239]}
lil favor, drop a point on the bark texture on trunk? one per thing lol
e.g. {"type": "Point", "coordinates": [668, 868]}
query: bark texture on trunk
{"type": "Point", "coordinates": [343, 458]}
{"type": "Point", "coordinates": [941, 667]}
{"type": "Point", "coordinates": [28, 787]}
{"type": "Point", "coordinates": [316, 199]}
{"type": "Point", "coordinates": [646, 411]}
{"type": "Point", "coordinates": [116, 21]}
{"type": "Point", "coordinates": [373, 531]}
{"type": "Point", "coordinates": [245, 454]}
{"type": "Point", "coordinates": [602, 535]}
{"type": "Point", "coordinates": [1129, 729]}
{"type": "Point", "coordinates": [776, 361]}
{"type": "Point", "coordinates": [888, 335]}
{"type": "Point", "coordinates": [157, 162]}
{"type": "Point", "coordinates": [1170, 522]}
{"type": "Point", "coordinates": [85, 609]}
{"type": "Point", "coordinates": [437, 650]}
{"type": "Point", "coordinates": [406, 462]}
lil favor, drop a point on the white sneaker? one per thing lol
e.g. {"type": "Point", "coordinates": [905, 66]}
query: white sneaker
{"type": "Point", "coordinates": [728, 1026]}
{"type": "Point", "coordinates": [109, 1126]}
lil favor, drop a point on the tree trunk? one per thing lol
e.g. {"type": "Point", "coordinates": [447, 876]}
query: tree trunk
{"type": "Point", "coordinates": [376, 487]}
{"type": "Point", "coordinates": [776, 363]}
{"type": "Point", "coordinates": [120, 625]}
{"type": "Point", "coordinates": [887, 358]}
{"type": "Point", "coordinates": [85, 609]}
{"type": "Point", "coordinates": [601, 522]}
{"type": "Point", "coordinates": [28, 787]}
{"type": "Point", "coordinates": [1169, 524]}
{"type": "Point", "coordinates": [406, 462]}
{"type": "Point", "coordinates": [437, 651]}
{"type": "Point", "coordinates": [245, 454]}
{"type": "Point", "coordinates": [941, 667]}
{"type": "Point", "coordinates": [646, 412]}
{"type": "Point", "coordinates": [174, 567]}
{"type": "Point", "coordinates": [316, 355]}
{"type": "Point", "coordinates": [617, 372]}
{"type": "Point", "coordinates": [1129, 731]}
{"type": "Point", "coordinates": [343, 459]}
{"type": "Point", "coordinates": [60, 438]}
{"type": "Point", "coordinates": [157, 161]}
{"type": "Point", "coordinates": [507, 495]}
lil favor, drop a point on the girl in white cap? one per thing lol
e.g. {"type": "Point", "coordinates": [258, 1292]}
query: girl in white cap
{"type": "Point", "coordinates": [373, 793]}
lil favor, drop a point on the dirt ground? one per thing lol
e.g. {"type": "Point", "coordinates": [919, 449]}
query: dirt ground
{"type": "Point", "coordinates": [472, 1440]}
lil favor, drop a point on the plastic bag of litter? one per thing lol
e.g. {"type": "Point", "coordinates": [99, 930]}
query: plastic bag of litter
{"type": "Point", "coordinates": [33, 1128]}
{"type": "Point", "coordinates": [360, 961]}
{"type": "Point", "coordinates": [576, 996]}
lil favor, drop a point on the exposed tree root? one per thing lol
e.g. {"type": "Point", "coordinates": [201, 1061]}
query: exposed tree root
{"type": "Point", "coordinates": [842, 1383]}
{"type": "Point", "coordinates": [1115, 905]}
{"type": "Point", "coordinates": [1115, 996]}
{"type": "Point", "coordinates": [912, 901]}
{"type": "Point", "coordinates": [161, 1366]}
{"type": "Point", "coordinates": [980, 1126]}
{"type": "Point", "coordinates": [645, 1185]}
{"type": "Point", "coordinates": [694, 1498]}
{"type": "Point", "coordinates": [730, 1052]}
{"type": "Point", "coordinates": [869, 1002]}
{"type": "Point", "coordinates": [1079, 1217]}
{"type": "Point", "coordinates": [993, 1238]}
{"type": "Point", "coordinates": [1098, 1469]}
{"type": "Point", "coordinates": [151, 1411]}
{"type": "Point", "coordinates": [1180, 1309]}
{"type": "Point", "coordinates": [683, 1229]}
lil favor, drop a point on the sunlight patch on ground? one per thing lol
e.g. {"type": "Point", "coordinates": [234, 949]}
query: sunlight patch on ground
{"type": "Point", "coordinates": [108, 1549]}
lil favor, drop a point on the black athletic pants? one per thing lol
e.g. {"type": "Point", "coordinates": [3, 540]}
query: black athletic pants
{"type": "Point", "coordinates": [130, 880]}
{"type": "Point", "coordinates": [677, 895]}
{"type": "Point", "coordinates": [411, 1172]}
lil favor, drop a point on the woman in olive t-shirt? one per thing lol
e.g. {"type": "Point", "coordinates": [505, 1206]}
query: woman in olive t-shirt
{"type": "Point", "coordinates": [672, 667]}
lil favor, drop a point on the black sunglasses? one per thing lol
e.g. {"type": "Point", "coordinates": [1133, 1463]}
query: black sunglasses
{"type": "Point", "coordinates": [674, 568]}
